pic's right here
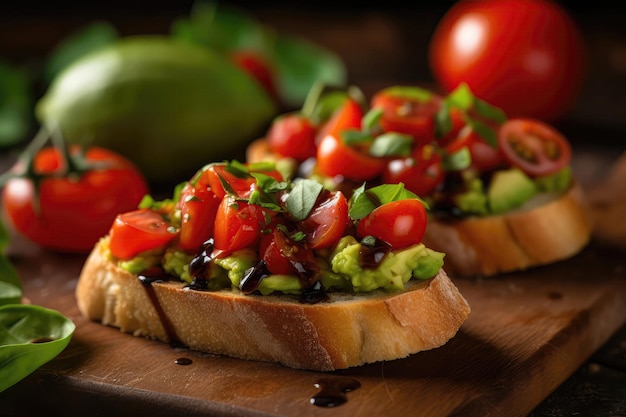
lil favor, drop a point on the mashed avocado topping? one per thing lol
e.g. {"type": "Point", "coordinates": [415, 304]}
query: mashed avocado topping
{"type": "Point", "coordinates": [341, 271]}
{"type": "Point", "coordinates": [505, 190]}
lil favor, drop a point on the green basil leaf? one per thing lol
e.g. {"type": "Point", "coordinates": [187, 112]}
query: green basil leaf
{"type": "Point", "coordinates": [371, 120]}
{"type": "Point", "coordinates": [300, 64]}
{"type": "Point", "coordinates": [353, 137]}
{"type": "Point", "coordinates": [461, 97]}
{"type": "Point", "coordinates": [9, 294]}
{"type": "Point", "coordinates": [302, 198]}
{"type": "Point", "coordinates": [325, 105]}
{"type": "Point", "coordinates": [30, 336]}
{"type": "Point", "coordinates": [365, 200]}
{"type": "Point", "coordinates": [391, 144]}
{"type": "Point", "coordinates": [409, 92]}
{"type": "Point", "coordinates": [488, 111]}
{"type": "Point", "coordinates": [225, 28]}
{"type": "Point", "coordinates": [487, 133]}
{"type": "Point", "coordinates": [77, 45]}
{"type": "Point", "coordinates": [458, 160]}
{"type": "Point", "coordinates": [443, 121]}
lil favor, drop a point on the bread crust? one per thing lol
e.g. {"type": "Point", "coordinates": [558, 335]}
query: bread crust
{"type": "Point", "coordinates": [349, 330]}
{"type": "Point", "coordinates": [539, 233]}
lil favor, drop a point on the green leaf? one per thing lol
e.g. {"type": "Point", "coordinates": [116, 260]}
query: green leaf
{"type": "Point", "coordinates": [486, 132]}
{"type": "Point", "coordinates": [9, 294]}
{"type": "Point", "coordinates": [371, 120]}
{"type": "Point", "coordinates": [353, 137]}
{"type": "Point", "coordinates": [458, 160]}
{"type": "Point", "coordinates": [30, 336]}
{"type": "Point", "coordinates": [363, 200]}
{"type": "Point", "coordinates": [302, 198]}
{"type": "Point", "coordinates": [77, 45]}
{"type": "Point", "coordinates": [412, 93]}
{"type": "Point", "coordinates": [391, 144]}
{"type": "Point", "coordinates": [222, 28]}
{"type": "Point", "coordinates": [300, 64]}
{"type": "Point", "coordinates": [15, 104]}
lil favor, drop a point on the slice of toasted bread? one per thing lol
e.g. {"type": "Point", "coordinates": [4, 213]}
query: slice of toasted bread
{"type": "Point", "coordinates": [348, 330]}
{"type": "Point", "coordinates": [546, 229]}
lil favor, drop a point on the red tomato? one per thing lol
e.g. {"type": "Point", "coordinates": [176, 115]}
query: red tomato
{"type": "Point", "coordinates": [198, 210]}
{"type": "Point", "coordinates": [258, 67]}
{"type": "Point", "coordinates": [270, 248]}
{"type": "Point", "coordinates": [336, 158]}
{"type": "Point", "coordinates": [70, 213]}
{"type": "Point", "coordinates": [420, 173]}
{"type": "Point", "coordinates": [400, 223]}
{"type": "Point", "coordinates": [327, 221]}
{"type": "Point", "coordinates": [242, 185]}
{"type": "Point", "coordinates": [484, 156]}
{"type": "Point", "coordinates": [348, 116]}
{"type": "Point", "coordinates": [293, 135]}
{"type": "Point", "coordinates": [524, 56]}
{"type": "Point", "coordinates": [138, 231]}
{"type": "Point", "coordinates": [238, 225]}
{"type": "Point", "coordinates": [408, 115]}
{"type": "Point", "coordinates": [283, 255]}
{"type": "Point", "coordinates": [534, 147]}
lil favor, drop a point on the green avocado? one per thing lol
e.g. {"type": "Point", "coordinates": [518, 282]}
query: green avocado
{"type": "Point", "coordinates": [166, 105]}
{"type": "Point", "coordinates": [509, 189]}
{"type": "Point", "coordinates": [396, 269]}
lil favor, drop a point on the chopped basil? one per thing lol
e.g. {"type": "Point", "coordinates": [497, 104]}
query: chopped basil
{"type": "Point", "coordinates": [352, 137]}
{"type": "Point", "coordinates": [458, 160]}
{"type": "Point", "coordinates": [391, 144]}
{"type": "Point", "coordinates": [363, 200]}
{"type": "Point", "coordinates": [302, 198]}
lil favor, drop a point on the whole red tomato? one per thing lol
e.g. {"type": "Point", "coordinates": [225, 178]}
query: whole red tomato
{"type": "Point", "coordinates": [525, 56]}
{"type": "Point", "coordinates": [69, 213]}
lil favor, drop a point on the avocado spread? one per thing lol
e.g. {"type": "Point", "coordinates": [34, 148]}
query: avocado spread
{"type": "Point", "coordinates": [506, 190]}
{"type": "Point", "coordinates": [340, 270]}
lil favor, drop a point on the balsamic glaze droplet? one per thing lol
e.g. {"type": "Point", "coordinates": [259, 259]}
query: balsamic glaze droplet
{"type": "Point", "coordinates": [183, 361]}
{"type": "Point", "coordinates": [253, 277]}
{"type": "Point", "coordinates": [372, 255]}
{"type": "Point", "coordinates": [315, 294]}
{"type": "Point", "coordinates": [332, 391]}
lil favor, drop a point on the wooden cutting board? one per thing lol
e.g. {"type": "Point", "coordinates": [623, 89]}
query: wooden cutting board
{"type": "Point", "coordinates": [526, 334]}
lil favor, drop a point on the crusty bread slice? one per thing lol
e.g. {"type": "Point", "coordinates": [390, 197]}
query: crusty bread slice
{"type": "Point", "coordinates": [349, 330]}
{"type": "Point", "coordinates": [546, 229]}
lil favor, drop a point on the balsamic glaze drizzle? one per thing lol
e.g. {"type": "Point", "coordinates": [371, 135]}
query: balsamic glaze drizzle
{"type": "Point", "coordinates": [332, 391]}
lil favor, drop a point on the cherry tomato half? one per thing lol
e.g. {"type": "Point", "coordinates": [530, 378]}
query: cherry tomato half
{"type": "Point", "coordinates": [484, 156]}
{"type": "Point", "coordinates": [198, 207]}
{"type": "Point", "coordinates": [420, 173]}
{"type": "Point", "coordinates": [238, 225]}
{"type": "Point", "coordinates": [138, 231]}
{"type": "Point", "coordinates": [408, 114]}
{"type": "Point", "coordinates": [336, 158]}
{"type": "Point", "coordinates": [219, 176]}
{"type": "Point", "coordinates": [534, 147]}
{"type": "Point", "coordinates": [327, 221]}
{"type": "Point", "coordinates": [73, 212]}
{"type": "Point", "coordinates": [524, 56]}
{"type": "Point", "coordinates": [293, 135]}
{"type": "Point", "coordinates": [399, 223]}
{"type": "Point", "coordinates": [283, 255]}
{"type": "Point", "coordinates": [348, 116]}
